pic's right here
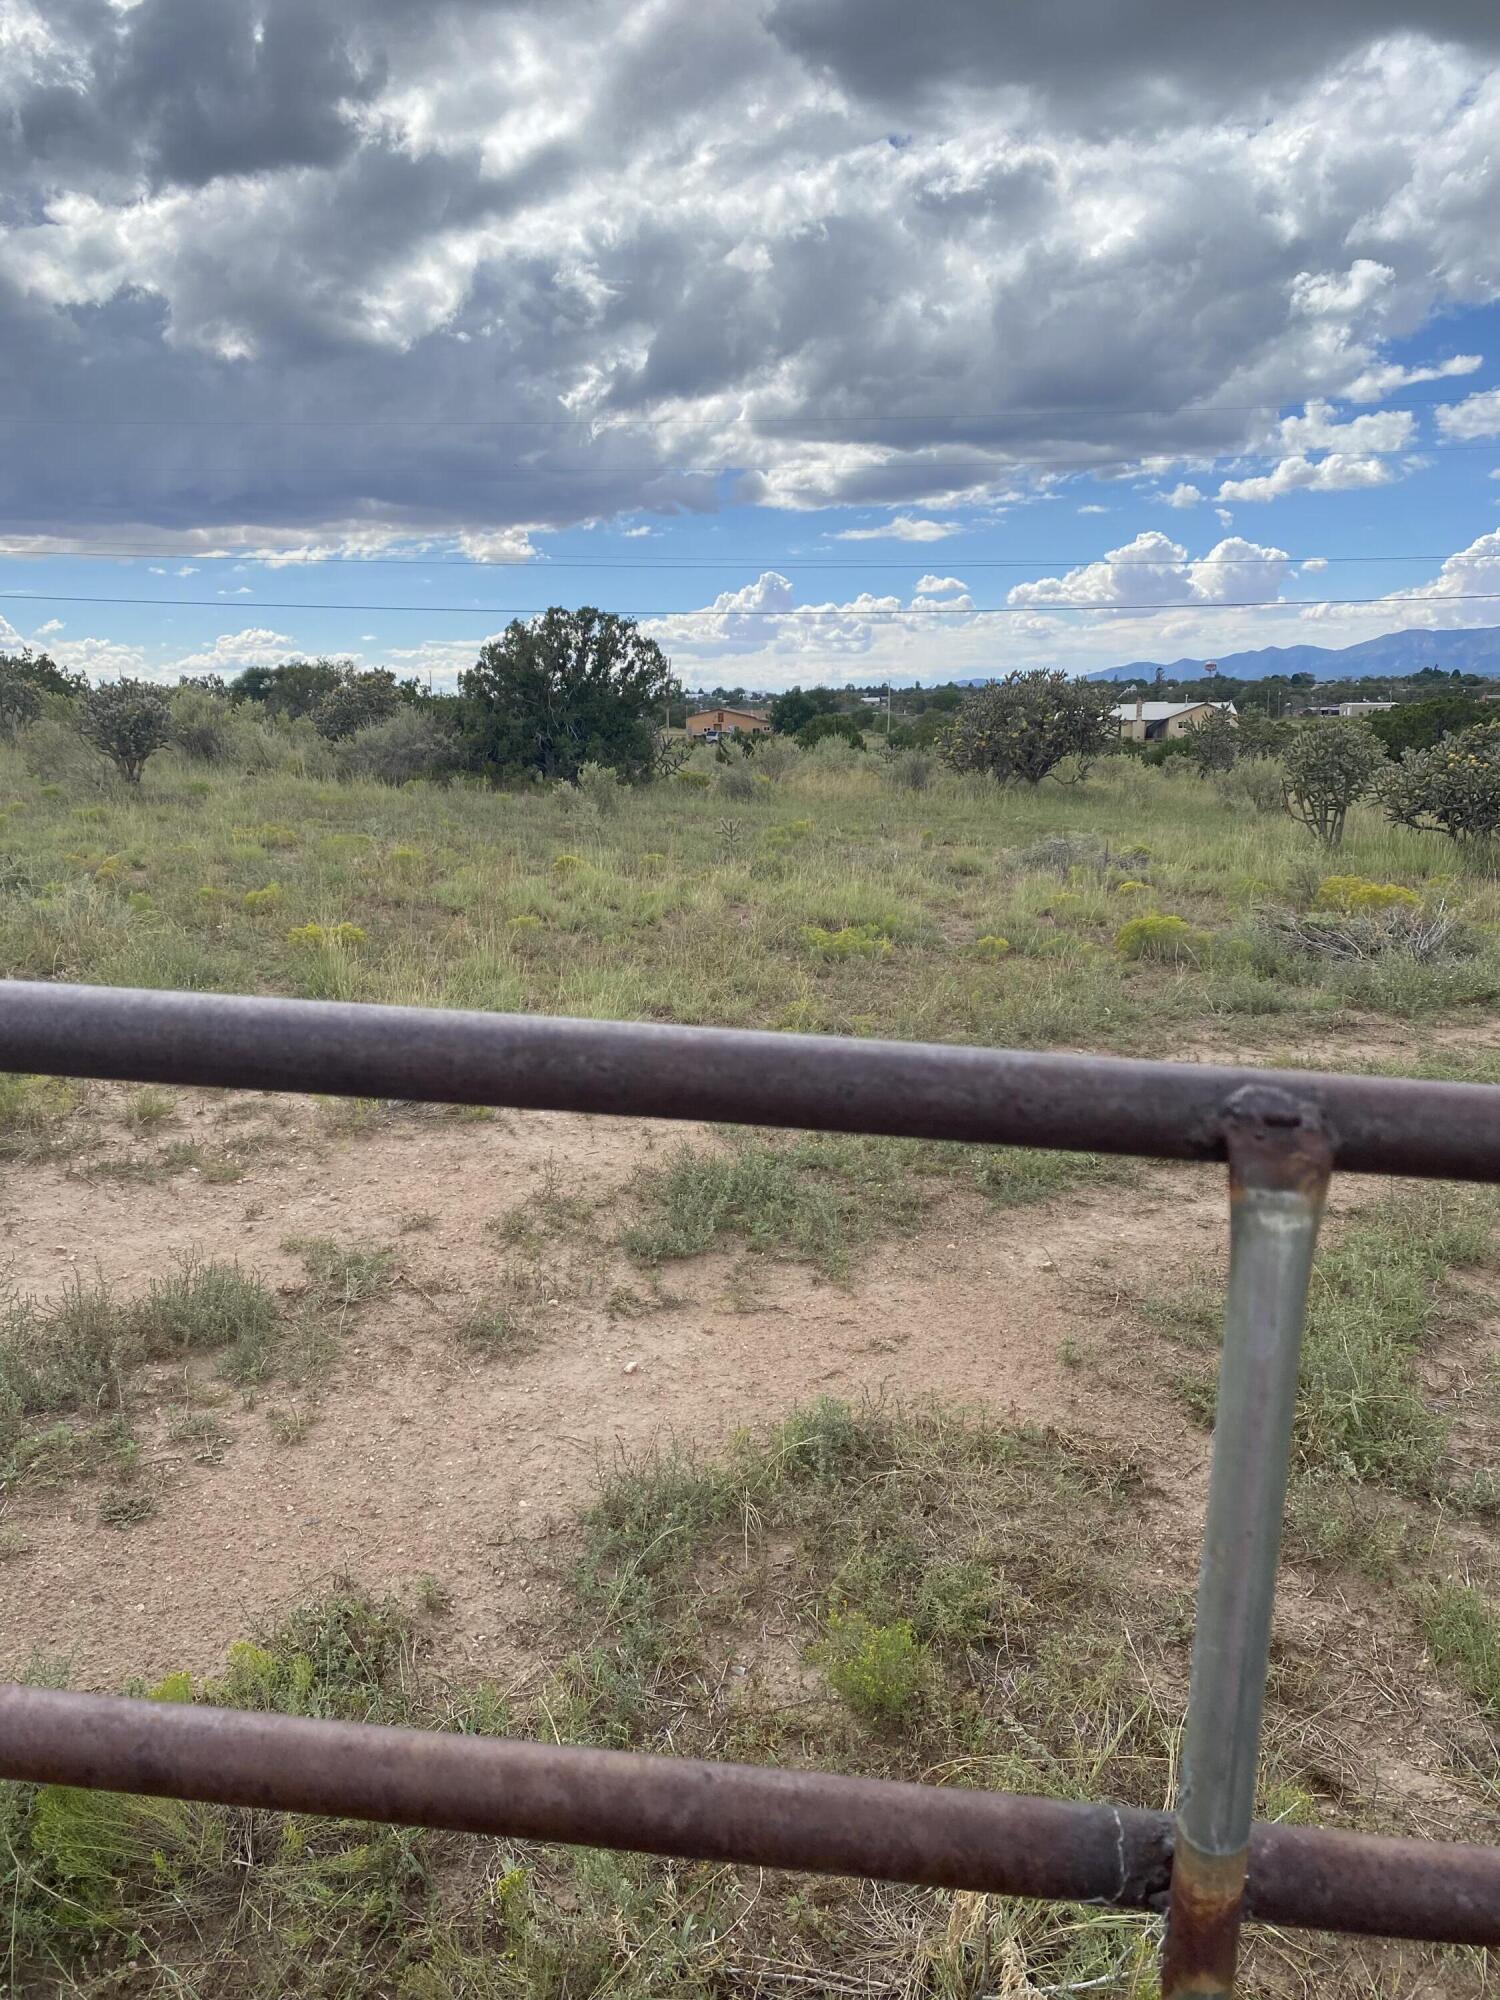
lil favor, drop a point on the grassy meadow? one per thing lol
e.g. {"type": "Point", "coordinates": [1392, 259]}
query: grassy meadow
{"type": "Point", "coordinates": [830, 900]}
{"type": "Point", "coordinates": [888, 1586]}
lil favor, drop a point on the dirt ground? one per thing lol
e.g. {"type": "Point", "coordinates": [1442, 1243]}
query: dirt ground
{"type": "Point", "coordinates": [423, 1460]}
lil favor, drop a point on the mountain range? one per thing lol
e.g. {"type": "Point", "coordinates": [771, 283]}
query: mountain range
{"type": "Point", "coordinates": [1391, 655]}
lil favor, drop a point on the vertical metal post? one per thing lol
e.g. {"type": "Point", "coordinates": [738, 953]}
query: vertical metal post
{"type": "Point", "coordinates": [1280, 1157]}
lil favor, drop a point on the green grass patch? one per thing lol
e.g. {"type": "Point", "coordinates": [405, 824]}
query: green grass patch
{"type": "Point", "coordinates": [1377, 1293]}
{"type": "Point", "coordinates": [823, 1199]}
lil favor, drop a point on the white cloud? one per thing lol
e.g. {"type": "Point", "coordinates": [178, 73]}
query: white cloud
{"type": "Point", "coordinates": [255, 645]}
{"type": "Point", "coordinates": [1337, 473]}
{"type": "Point", "coordinates": [1318, 429]}
{"type": "Point", "coordinates": [105, 660]}
{"type": "Point", "coordinates": [500, 545]}
{"type": "Point", "coordinates": [1153, 570]}
{"type": "Point", "coordinates": [1476, 416]}
{"type": "Point", "coordinates": [1093, 508]}
{"type": "Point", "coordinates": [1473, 572]}
{"type": "Point", "coordinates": [52, 625]}
{"type": "Point", "coordinates": [1314, 565]}
{"type": "Point", "coordinates": [638, 533]}
{"type": "Point", "coordinates": [9, 636]}
{"type": "Point", "coordinates": [935, 586]}
{"type": "Point", "coordinates": [904, 528]}
{"type": "Point", "coordinates": [1226, 519]}
{"type": "Point", "coordinates": [1373, 383]}
{"type": "Point", "coordinates": [1183, 495]}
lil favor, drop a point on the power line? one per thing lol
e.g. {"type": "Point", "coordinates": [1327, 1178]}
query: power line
{"type": "Point", "coordinates": [543, 562]}
{"type": "Point", "coordinates": [817, 613]}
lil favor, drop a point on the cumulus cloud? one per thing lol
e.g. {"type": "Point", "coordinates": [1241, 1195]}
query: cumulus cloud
{"type": "Point", "coordinates": [1153, 570]}
{"type": "Point", "coordinates": [1475, 417]}
{"type": "Point", "coordinates": [1183, 495]}
{"type": "Point", "coordinates": [276, 275]}
{"type": "Point", "coordinates": [904, 528]}
{"type": "Point", "coordinates": [764, 618]}
{"type": "Point", "coordinates": [1319, 429]}
{"type": "Point", "coordinates": [52, 625]}
{"type": "Point", "coordinates": [232, 652]}
{"type": "Point", "coordinates": [1337, 473]}
{"type": "Point", "coordinates": [1473, 572]}
{"type": "Point", "coordinates": [9, 636]}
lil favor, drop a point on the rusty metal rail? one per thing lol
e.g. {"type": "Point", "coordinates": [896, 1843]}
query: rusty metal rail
{"type": "Point", "coordinates": [1207, 1867]}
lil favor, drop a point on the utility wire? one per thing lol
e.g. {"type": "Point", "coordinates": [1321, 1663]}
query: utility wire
{"type": "Point", "coordinates": [808, 612]}
{"type": "Point", "coordinates": [278, 559]}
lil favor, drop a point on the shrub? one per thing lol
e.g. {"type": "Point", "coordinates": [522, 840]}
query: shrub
{"type": "Point", "coordinates": [1355, 893]}
{"type": "Point", "coordinates": [910, 770]}
{"type": "Point", "coordinates": [1023, 727]}
{"type": "Point", "coordinates": [1213, 743]}
{"type": "Point", "coordinates": [1129, 887]}
{"type": "Point", "coordinates": [1157, 936]}
{"type": "Point", "coordinates": [203, 725]}
{"type": "Point", "coordinates": [1328, 768]}
{"type": "Point", "coordinates": [566, 864]}
{"type": "Point", "coordinates": [824, 728]}
{"type": "Point", "coordinates": [262, 899]}
{"type": "Point", "coordinates": [853, 941]}
{"type": "Point", "coordinates": [599, 786]}
{"type": "Point", "coordinates": [775, 756]}
{"type": "Point", "coordinates": [696, 781]}
{"type": "Point", "coordinates": [54, 752]}
{"type": "Point", "coordinates": [404, 746]}
{"type": "Point", "coordinates": [355, 702]}
{"type": "Point", "coordinates": [127, 721]}
{"type": "Point", "coordinates": [341, 937]}
{"type": "Point", "coordinates": [1453, 788]}
{"type": "Point", "coordinates": [738, 783]}
{"type": "Point", "coordinates": [992, 946]}
{"type": "Point", "coordinates": [878, 1671]}
{"type": "Point", "coordinates": [1257, 782]}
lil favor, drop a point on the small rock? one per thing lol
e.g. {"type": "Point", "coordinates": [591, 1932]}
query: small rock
{"type": "Point", "coordinates": [630, 1367]}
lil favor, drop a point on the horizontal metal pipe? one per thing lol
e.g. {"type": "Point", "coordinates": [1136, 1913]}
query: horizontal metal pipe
{"type": "Point", "coordinates": [943, 1837]}
{"type": "Point", "coordinates": [819, 1083]}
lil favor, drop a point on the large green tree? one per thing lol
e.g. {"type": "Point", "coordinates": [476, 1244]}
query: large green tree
{"type": "Point", "coordinates": [563, 690]}
{"type": "Point", "coordinates": [1417, 725]}
{"type": "Point", "coordinates": [793, 711]}
{"type": "Point", "coordinates": [293, 688]}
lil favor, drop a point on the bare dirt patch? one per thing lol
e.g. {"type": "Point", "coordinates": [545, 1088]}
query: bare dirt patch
{"type": "Point", "coordinates": [423, 1459]}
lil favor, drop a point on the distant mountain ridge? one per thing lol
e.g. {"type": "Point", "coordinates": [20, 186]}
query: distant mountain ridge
{"type": "Point", "coordinates": [1392, 654]}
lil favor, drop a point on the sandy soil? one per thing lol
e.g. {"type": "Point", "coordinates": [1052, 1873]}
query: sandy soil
{"type": "Point", "coordinates": [423, 1460]}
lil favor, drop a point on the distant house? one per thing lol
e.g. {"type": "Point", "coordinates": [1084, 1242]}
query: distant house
{"type": "Point", "coordinates": [712, 723]}
{"type": "Point", "coordinates": [1155, 721]}
{"type": "Point", "coordinates": [1348, 708]}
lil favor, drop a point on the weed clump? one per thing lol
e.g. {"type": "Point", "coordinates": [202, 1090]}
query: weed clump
{"type": "Point", "coordinates": [852, 941]}
{"type": "Point", "coordinates": [1355, 894]}
{"type": "Point", "coordinates": [1161, 937]}
{"type": "Point", "coordinates": [876, 1670]}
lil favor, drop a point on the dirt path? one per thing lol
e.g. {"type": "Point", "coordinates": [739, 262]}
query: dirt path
{"type": "Point", "coordinates": [422, 1460]}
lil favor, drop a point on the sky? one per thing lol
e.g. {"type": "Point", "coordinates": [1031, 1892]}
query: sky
{"type": "Point", "coordinates": [837, 340]}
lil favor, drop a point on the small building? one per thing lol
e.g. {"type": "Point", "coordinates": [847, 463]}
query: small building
{"type": "Point", "coordinates": [712, 723]}
{"type": "Point", "coordinates": [1365, 707]}
{"type": "Point", "coordinates": [1154, 721]}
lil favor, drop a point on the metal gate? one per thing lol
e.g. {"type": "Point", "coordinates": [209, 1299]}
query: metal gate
{"type": "Point", "coordinates": [1206, 1865]}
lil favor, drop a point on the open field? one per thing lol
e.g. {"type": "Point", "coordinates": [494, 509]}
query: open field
{"type": "Point", "coordinates": [885, 1456]}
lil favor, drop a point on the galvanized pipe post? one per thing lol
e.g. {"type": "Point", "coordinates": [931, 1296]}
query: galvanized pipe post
{"type": "Point", "coordinates": [1280, 1157]}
